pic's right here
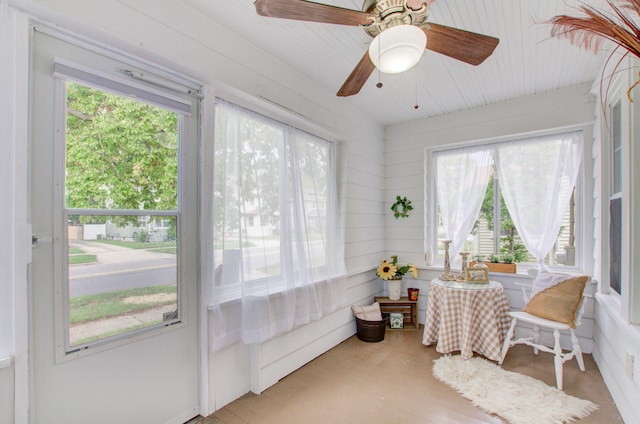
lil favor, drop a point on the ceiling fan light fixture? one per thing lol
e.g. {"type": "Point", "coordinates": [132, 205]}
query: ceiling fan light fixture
{"type": "Point", "coordinates": [397, 49]}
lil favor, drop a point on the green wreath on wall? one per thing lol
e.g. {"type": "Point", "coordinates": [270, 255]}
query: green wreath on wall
{"type": "Point", "coordinates": [401, 207]}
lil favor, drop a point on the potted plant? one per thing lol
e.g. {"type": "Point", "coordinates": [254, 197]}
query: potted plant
{"type": "Point", "coordinates": [508, 263]}
{"type": "Point", "coordinates": [508, 258]}
{"type": "Point", "coordinates": [392, 273]}
{"type": "Point", "coordinates": [495, 263]}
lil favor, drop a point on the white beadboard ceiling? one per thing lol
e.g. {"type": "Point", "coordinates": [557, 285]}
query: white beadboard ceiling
{"type": "Point", "coordinates": [526, 61]}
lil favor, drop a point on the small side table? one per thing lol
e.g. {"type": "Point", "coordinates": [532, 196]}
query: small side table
{"type": "Point", "coordinates": [408, 308]}
{"type": "Point", "coordinates": [468, 317]}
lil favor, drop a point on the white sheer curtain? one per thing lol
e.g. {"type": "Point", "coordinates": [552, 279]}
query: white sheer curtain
{"type": "Point", "coordinates": [278, 254]}
{"type": "Point", "coordinates": [537, 177]}
{"type": "Point", "coordinates": [461, 182]}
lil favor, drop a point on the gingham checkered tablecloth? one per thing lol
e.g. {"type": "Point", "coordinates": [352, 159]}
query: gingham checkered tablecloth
{"type": "Point", "coordinates": [468, 317]}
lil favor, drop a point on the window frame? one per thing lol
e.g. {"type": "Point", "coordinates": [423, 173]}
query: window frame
{"type": "Point", "coordinates": [431, 212]}
{"type": "Point", "coordinates": [613, 123]}
{"type": "Point", "coordinates": [627, 303]}
{"type": "Point", "coordinates": [63, 72]}
{"type": "Point", "coordinates": [607, 185]}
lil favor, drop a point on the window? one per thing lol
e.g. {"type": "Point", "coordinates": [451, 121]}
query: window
{"type": "Point", "coordinates": [277, 252]}
{"type": "Point", "coordinates": [492, 231]}
{"type": "Point", "coordinates": [615, 200]}
{"type": "Point", "coordinates": [495, 234]}
{"type": "Point", "coordinates": [121, 207]}
{"type": "Point", "coordinates": [272, 196]}
{"type": "Point", "coordinates": [616, 130]}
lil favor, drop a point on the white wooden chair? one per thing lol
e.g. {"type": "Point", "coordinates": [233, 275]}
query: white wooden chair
{"type": "Point", "coordinates": [533, 340]}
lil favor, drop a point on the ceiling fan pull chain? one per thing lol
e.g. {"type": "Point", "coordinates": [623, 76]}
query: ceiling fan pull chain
{"type": "Point", "coordinates": [379, 84]}
{"type": "Point", "coordinates": [416, 106]}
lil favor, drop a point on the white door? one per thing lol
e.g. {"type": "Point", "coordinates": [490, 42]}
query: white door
{"type": "Point", "coordinates": [113, 280]}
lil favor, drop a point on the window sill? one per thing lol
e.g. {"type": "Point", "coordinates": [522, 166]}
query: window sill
{"type": "Point", "coordinates": [233, 294]}
{"type": "Point", "coordinates": [612, 306]}
{"type": "Point", "coordinates": [521, 270]}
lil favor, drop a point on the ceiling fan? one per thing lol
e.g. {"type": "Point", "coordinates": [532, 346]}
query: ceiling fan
{"type": "Point", "coordinates": [404, 24]}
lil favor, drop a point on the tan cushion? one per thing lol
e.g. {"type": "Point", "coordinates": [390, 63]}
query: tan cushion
{"type": "Point", "coordinates": [368, 313]}
{"type": "Point", "coordinates": [559, 302]}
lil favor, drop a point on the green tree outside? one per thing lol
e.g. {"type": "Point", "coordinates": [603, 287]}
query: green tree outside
{"type": "Point", "coordinates": [121, 153]}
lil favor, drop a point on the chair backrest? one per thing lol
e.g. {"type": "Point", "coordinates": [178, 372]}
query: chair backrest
{"type": "Point", "coordinates": [526, 293]}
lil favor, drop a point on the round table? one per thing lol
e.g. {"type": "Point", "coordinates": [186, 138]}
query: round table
{"type": "Point", "coordinates": [466, 317]}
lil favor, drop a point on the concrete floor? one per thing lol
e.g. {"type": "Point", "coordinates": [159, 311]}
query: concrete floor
{"type": "Point", "coordinates": [391, 382]}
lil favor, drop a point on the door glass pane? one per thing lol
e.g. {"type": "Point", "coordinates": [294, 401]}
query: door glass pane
{"type": "Point", "coordinates": [122, 274]}
{"type": "Point", "coordinates": [120, 154]}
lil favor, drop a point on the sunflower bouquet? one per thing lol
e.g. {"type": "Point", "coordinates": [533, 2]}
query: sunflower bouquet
{"type": "Point", "coordinates": [390, 270]}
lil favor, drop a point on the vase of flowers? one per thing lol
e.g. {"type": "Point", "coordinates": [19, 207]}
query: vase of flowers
{"type": "Point", "coordinates": [392, 273]}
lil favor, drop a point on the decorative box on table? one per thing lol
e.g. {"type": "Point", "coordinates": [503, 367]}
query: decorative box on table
{"type": "Point", "coordinates": [477, 273]}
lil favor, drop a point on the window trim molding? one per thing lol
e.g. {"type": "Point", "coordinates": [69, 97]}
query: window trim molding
{"type": "Point", "coordinates": [80, 40]}
{"type": "Point", "coordinates": [277, 112]}
{"type": "Point", "coordinates": [132, 89]}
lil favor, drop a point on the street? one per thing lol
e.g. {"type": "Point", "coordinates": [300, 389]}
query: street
{"type": "Point", "coordinates": [119, 268]}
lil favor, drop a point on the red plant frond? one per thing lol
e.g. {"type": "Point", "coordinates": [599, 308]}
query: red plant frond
{"type": "Point", "coordinates": [591, 29]}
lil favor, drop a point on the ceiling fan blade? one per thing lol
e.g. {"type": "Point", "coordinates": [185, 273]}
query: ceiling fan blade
{"type": "Point", "coordinates": [358, 77]}
{"type": "Point", "coordinates": [466, 46]}
{"type": "Point", "coordinates": [303, 10]}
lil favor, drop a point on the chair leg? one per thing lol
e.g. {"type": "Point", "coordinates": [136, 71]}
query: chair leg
{"type": "Point", "coordinates": [507, 340]}
{"type": "Point", "coordinates": [576, 349]}
{"type": "Point", "coordinates": [557, 360]}
{"type": "Point", "coordinates": [535, 337]}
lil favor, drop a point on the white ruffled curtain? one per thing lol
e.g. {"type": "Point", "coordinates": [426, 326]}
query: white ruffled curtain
{"type": "Point", "coordinates": [537, 177]}
{"type": "Point", "coordinates": [278, 253]}
{"type": "Point", "coordinates": [461, 182]}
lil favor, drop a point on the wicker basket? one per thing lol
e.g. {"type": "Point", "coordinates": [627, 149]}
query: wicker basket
{"type": "Point", "coordinates": [372, 331]}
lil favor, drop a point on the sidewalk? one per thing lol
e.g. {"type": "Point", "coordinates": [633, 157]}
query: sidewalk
{"type": "Point", "coordinates": [109, 325]}
{"type": "Point", "coordinates": [113, 254]}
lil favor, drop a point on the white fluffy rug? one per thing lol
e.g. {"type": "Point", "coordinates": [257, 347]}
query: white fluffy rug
{"type": "Point", "coordinates": [517, 398]}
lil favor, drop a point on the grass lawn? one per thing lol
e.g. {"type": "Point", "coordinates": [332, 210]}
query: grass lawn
{"type": "Point", "coordinates": [80, 258]}
{"type": "Point", "coordinates": [77, 256]}
{"type": "Point", "coordinates": [138, 244]}
{"type": "Point", "coordinates": [104, 305]}
{"type": "Point", "coordinates": [169, 249]}
{"type": "Point", "coordinates": [231, 244]}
